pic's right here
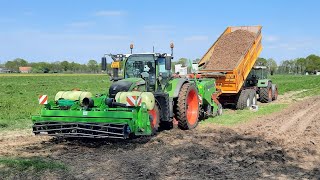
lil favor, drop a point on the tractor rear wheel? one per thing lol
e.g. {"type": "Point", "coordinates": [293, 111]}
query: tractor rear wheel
{"type": "Point", "coordinates": [187, 109]}
{"type": "Point", "coordinates": [155, 116]}
{"type": "Point", "coordinates": [265, 94]}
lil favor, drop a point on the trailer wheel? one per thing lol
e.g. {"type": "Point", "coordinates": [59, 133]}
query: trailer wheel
{"type": "Point", "coordinates": [244, 100]}
{"type": "Point", "coordinates": [187, 109]}
{"type": "Point", "coordinates": [274, 92]}
{"type": "Point", "coordinates": [154, 119]}
{"type": "Point", "coordinates": [266, 94]}
{"type": "Point", "coordinates": [253, 97]}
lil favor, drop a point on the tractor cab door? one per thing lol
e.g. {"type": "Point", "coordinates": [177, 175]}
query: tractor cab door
{"type": "Point", "coordinates": [163, 73]}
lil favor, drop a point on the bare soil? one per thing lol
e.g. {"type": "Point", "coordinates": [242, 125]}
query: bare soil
{"type": "Point", "coordinates": [229, 49]}
{"type": "Point", "coordinates": [284, 145]}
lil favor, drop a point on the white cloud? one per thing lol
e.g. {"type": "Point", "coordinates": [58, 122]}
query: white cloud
{"type": "Point", "coordinates": [289, 46]}
{"type": "Point", "coordinates": [158, 28]}
{"type": "Point", "coordinates": [271, 38]}
{"type": "Point", "coordinates": [80, 24]}
{"type": "Point", "coordinates": [109, 13]}
{"type": "Point", "coordinates": [196, 38]}
{"type": "Point", "coordinates": [28, 13]}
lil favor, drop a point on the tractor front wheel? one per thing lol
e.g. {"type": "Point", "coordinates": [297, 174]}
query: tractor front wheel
{"type": "Point", "coordinates": [187, 108]}
{"type": "Point", "coordinates": [265, 94]}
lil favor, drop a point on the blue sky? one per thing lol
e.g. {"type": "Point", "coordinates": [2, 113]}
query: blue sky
{"type": "Point", "coordinates": [82, 30]}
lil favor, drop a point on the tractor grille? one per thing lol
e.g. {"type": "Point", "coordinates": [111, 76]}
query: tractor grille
{"type": "Point", "coordinates": [83, 130]}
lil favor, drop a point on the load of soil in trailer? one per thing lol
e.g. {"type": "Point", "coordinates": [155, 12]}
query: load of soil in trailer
{"type": "Point", "coordinates": [229, 49]}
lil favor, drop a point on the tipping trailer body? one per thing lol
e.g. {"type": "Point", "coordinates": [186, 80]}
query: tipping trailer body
{"type": "Point", "coordinates": [230, 81]}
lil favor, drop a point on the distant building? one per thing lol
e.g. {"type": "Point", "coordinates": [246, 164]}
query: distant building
{"type": "Point", "coordinates": [4, 70]}
{"type": "Point", "coordinates": [25, 69]}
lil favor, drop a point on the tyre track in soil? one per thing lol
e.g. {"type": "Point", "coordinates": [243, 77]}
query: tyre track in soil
{"type": "Point", "coordinates": [297, 128]}
{"type": "Point", "coordinates": [257, 149]}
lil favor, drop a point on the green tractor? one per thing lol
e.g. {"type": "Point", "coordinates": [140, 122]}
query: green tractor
{"type": "Point", "coordinates": [145, 99]}
{"type": "Point", "coordinates": [258, 82]}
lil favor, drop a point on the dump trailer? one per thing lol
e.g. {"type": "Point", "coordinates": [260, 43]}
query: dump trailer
{"type": "Point", "coordinates": [231, 61]}
{"type": "Point", "coordinates": [144, 99]}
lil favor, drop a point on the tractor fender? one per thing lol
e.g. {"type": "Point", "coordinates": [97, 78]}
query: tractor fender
{"type": "Point", "coordinates": [174, 86]}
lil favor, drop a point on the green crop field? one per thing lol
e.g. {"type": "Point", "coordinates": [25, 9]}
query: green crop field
{"type": "Point", "coordinates": [303, 85]}
{"type": "Point", "coordinates": [19, 94]}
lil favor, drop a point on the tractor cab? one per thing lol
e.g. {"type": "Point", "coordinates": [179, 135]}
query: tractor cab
{"type": "Point", "coordinates": [151, 67]}
{"type": "Point", "coordinates": [257, 73]}
{"type": "Point", "coordinates": [141, 71]}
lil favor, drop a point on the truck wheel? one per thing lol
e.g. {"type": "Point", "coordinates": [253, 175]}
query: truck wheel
{"type": "Point", "coordinates": [253, 97]}
{"type": "Point", "coordinates": [154, 119]}
{"type": "Point", "coordinates": [266, 94]}
{"type": "Point", "coordinates": [187, 109]}
{"type": "Point", "coordinates": [244, 100]}
{"type": "Point", "coordinates": [274, 92]}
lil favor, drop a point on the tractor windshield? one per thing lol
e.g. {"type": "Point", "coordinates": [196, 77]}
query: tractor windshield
{"type": "Point", "coordinates": [139, 63]}
{"type": "Point", "coordinates": [260, 73]}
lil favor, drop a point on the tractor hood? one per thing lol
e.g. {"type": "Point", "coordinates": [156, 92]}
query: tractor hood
{"type": "Point", "coordinates": [124, 85]}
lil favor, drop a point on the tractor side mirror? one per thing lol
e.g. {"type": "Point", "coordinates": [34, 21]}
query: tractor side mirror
{"type": "Point", "coordinates": [104, 63]}
{"type": "Point", "coordinates": [168, 63]}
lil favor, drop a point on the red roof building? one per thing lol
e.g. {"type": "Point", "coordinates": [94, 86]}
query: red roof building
{"type": "Point", "coordinates": [25, 69]}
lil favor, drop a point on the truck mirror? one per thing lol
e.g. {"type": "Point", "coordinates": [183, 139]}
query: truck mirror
{"type": "Point", "coordinates": [168, 63]}
{"type": "Point", "coordinates": [103, 63]}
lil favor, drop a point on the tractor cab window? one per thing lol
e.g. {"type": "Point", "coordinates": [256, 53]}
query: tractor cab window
{"type": "Point", "coordinates": [141, 63]}
{"type": "Point", "coordinates": [259, 73]}
{"type": "Point", "coordinates": [254, 75]}
{"type": "Point", "coordinates": [162, 68]}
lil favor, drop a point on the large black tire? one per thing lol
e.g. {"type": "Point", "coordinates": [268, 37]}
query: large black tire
{"type": "Point", "coordinates": [187, 107]}
{"type": "Point", "coordinates": [244, 100]}
{"type": "Point", "coordinates": [155, 117]}
{"type": "Point", "coordinates": [274, 92]}
{"type": "Point", "coordinates": [265, 94]}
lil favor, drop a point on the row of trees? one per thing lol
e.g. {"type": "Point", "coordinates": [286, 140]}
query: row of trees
{"type": "Point", "coordinates": [38, 67]}
{"type": "Point", "coordinates": [309, 64]}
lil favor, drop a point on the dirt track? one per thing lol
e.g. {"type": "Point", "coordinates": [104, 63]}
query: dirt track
{"type": "Point", "coordinates": [284, 145]}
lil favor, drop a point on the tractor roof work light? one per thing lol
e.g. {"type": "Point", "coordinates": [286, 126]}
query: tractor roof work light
{"type": "Point", "coordinates": [131, 47]}
{"type": "Point", "coordinates": [171, 46]}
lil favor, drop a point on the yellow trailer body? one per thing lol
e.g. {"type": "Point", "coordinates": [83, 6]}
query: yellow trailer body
{"type": "Point", "coordinates": [230, 81]}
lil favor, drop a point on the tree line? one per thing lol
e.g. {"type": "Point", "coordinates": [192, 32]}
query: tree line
{"type": "Point", "coordinates": [310, 64]}
{"type": "Point", "coordinates": [54, 67]}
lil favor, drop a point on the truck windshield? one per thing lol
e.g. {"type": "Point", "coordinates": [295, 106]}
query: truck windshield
{"type": "Point", "coordinates": [138, 63]}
